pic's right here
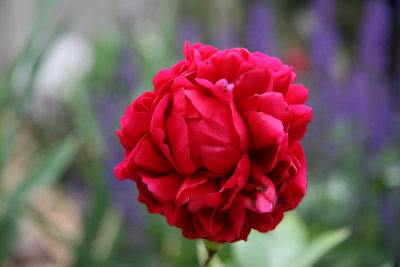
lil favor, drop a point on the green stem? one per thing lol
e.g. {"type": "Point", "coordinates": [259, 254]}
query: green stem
{"type": "Point", "coordinates": [212, 249]}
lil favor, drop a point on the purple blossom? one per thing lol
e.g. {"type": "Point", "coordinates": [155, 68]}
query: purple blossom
{"type": "Point", "coordinates": [325, 98]}
{"type": "Point", "coordinates": [109, 109]}
{"type": "Point", "coordinates": [189, 31]}
{"type": "Point", "coordinates": [126, 70]}
{"type": "Point", "coordinates": [324, 46]}
{"type": "Point", "coordinates": [374, 37]}
{"type": "Point", "coordinates": [368, 90]}
{"type": "Point", "coordinates": [227, 37]}
{"type": "Point", "coordinates": [260, 34]}
{"type": "Point", "coordinates": [389, 214]}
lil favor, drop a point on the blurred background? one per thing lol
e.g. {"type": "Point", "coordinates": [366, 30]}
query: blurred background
{"type": "Point", "coordinates": [69, 68]}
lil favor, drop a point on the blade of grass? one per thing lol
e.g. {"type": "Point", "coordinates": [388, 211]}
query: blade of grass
{"type": "Point", "coordinates": [32, 57]}
{"type": "Point", "coordinates": [319, 246]}
{"type": "Point", "coordinates": [43, 12]}
{"type": "Point", "coordinates": [94, 173]}
{"type": "Point", "coordinates": [50, 169]}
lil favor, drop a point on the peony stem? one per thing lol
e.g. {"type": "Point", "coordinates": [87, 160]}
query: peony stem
{"type": "Point", "coordinates": [212, 249]}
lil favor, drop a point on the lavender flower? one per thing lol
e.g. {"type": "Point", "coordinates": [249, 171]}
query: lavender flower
{"type": "Point", "coordinates": [189, 32]}
{"type": "Point", "coordinates": [389, 214]}
{"type": "Point", "coordinates": [324, 45]}
{"type": "Point", "coordinates": [370, 97]}
{"type": "Point", "coordinates": [260, 28]}
{"type": "Point", "coordinates": [227, 37]}
{"type": "Point", "coordinates": [110, 106]}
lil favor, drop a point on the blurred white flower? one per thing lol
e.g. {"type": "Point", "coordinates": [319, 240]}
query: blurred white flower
{"type": "Point", "coordinates": [391, 176]}
{"type": "Point", "coordinates": [68, 62]}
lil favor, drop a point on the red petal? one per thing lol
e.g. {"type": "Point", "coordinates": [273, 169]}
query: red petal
{"type": "Point", "coordinates": [197, 199]}
{"type": "Point", "coordinates": [302, 115]}
{"type": "Point", "coordinates": [214, 199]}
{"type": "Point", "coordinates": [207, 71]}
{"type": "Point", "coordinates": [157, 128]}
{"type": "Point", "coordinates": [209, 107]}
{"type": "Point", "coordinates": [178, 138]}
{"type": "Point", "coordinates": [294, 189]}
{"type": "Point", "coordinates": [296, 95]}
{"type": "Point", "coordinates": [149, 157]}
{"type": "Point", "coordinates": [134, 127]}
{"type": "Point", "coordinates": [164, 188]}
{"type": "Point", "coordinates": [237, 214]}
{"type": "Point", "coordinates": [250, 83]}
{"type": "Point", "coordinates": [271, 103]}
{"type": "Point", "coordinates": [236, 182]}
{"type": "Point", "coordinates": [264, 129]}
{"type": "Point", "coordinates": [165, 76]}
{"type": "Point", "coordinates": [188, 184]}
{"type": "Point", "coordinates": [266, 158]}
{"type": "Point", "coordinates": [230, 66]}
{"type": "Point", "coordinates": [145, 197]}
{"type": "Point", "coordinates": [178, 134]}
{"type": "Point", "coordinates": [282, 79]}
{"type": "Point", "coordinates": [219, 159]}
{"type": "Point", "coordinates": [175, 216]}
{"type": "Point", "coordinates": [187, 50]}
{"type": "Point", "coordinates": [240, 127]}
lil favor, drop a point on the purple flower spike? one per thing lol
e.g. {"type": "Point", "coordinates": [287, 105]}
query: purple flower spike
{"type": "Point", "coordinates": [260, 34]}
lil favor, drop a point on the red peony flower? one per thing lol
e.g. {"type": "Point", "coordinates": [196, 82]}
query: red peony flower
{"type": "Point", "coordinates": [215, 148]}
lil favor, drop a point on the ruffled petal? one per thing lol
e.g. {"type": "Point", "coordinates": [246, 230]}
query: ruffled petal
{"type": "Point", "coordinates": [296, 95]}
{"type": "Point", "coordinates": [250, 83]}
{"type": "Point", "coordinates": [271, 103]}
{"type": "Point", "coordinates": [164, 188]}
{"type": "Point", "coordinates": [302, 116]}
{"type": "Point", "coordinates": [149, 157]}
{"type": "Point", "coordinates": [264, 130]}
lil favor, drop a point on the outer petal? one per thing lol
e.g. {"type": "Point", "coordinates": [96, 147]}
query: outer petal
{"type": "Point", "coordinates": [187, 186]}
{"type": "Point", "coordinates": [198, 51]}
{"type": "Point", "coordinates": [294, 188]}
{"type": "Point", "coordinates": [150, 158]}
{"type": "Point", "coordinates": [164, 77]}
{"type": "Point", "coordinates": [271, 103]}
{"type": "Point", "coordinates": [219, 159]}
{"type": "Point", "coordinates": [157, 128]}
{"type": "Point", "coordinates": [177, 132]}
{"type": "Point", "coordinates": [145, 197]}
{"type": "Point", "coordinates": [264, 129]}
{"type": "Point", "coordinates": [296, 95]}
{"type": "Point", "coordinates": [197, 196]}
{"type": "Point", "coordinates": [250, 83]}
{"type": "Point", "coordinates": [163, 188]}
{"type": "Point", "coordinates": [302, 115]}
{"type": "Point", "coordinates": [262, 195]}
{"type": "Point", "coordinates": [282, 78]}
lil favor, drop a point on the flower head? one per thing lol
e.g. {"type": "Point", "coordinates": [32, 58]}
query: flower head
{"type": "Point", "coordinates": [215, 147]}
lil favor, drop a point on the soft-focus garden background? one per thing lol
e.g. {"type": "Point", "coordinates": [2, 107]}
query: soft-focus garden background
{"type": "Point", "coordinates": [68, 69]}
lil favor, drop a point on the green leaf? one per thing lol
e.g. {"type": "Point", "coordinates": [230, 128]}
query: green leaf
{"type": "Point", "coordinates": [94, 171]}
{"type": "Point", "coordinates": [288, 245]}
{"type": "Point", "coordinates": [28, 59]}
{"type": "Point", "coordinates": [50, 170]}
{"type": "Point", "coordinates": [8, 233]}
{"type": "Point", "coordinates": [44, 10]}
{"type": "Point", "coordinates": [273, 248]}
{"type": "Point", "coordinates": [319, 246]}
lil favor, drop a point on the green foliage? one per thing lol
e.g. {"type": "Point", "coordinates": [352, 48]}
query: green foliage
{"type": "Point", "coordinates": [288, 245]}
{"type": "Point", "coordinates": [49, 170]}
